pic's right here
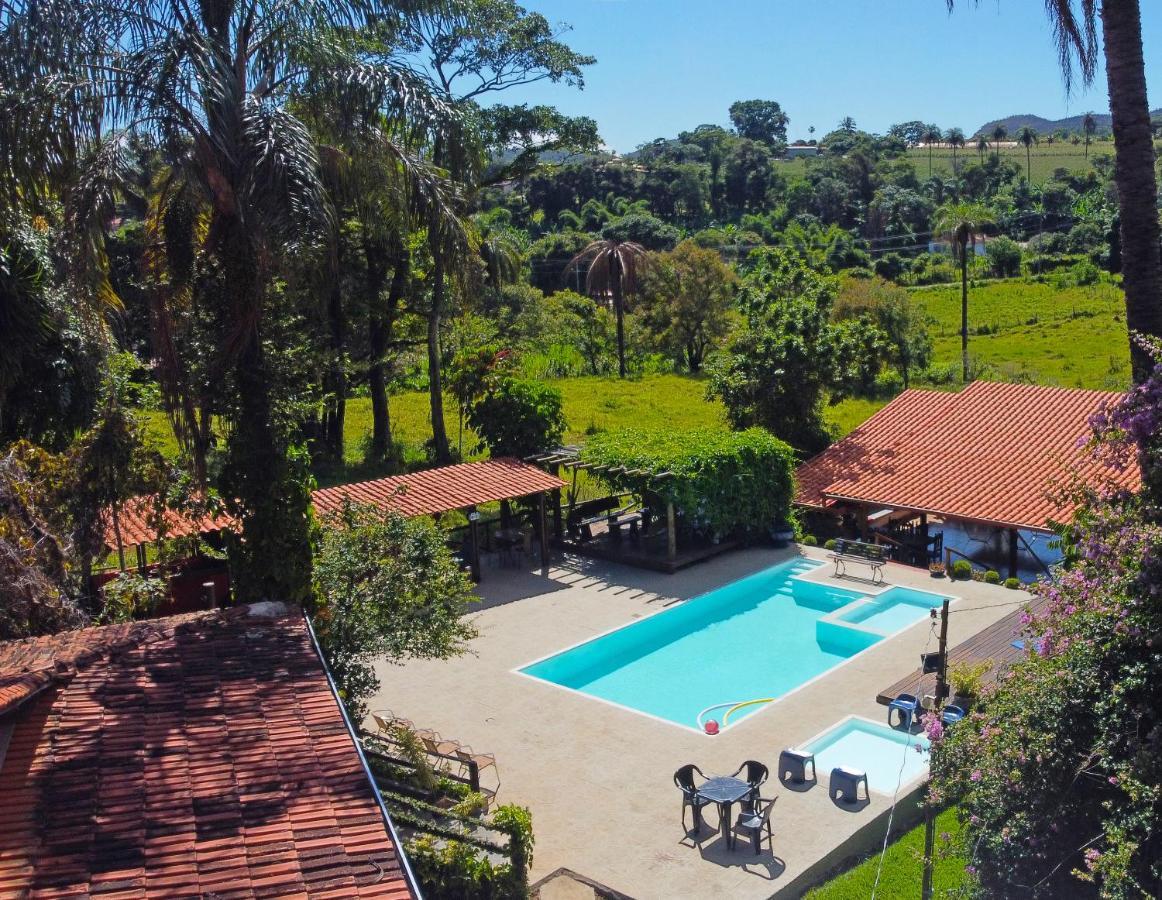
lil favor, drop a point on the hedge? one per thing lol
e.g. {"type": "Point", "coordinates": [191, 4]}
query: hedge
{"type": "Point", "coordinates": [724, 484]}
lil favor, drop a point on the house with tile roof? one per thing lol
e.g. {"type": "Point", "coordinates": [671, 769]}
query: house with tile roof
{"type": "Point", "coordinates": [197, 755]}
{"type": "Point", "coordinates": [989, 462]}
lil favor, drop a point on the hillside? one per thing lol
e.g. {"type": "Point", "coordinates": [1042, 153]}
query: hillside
{"type": "Point", "coordinates": [1045, 126]}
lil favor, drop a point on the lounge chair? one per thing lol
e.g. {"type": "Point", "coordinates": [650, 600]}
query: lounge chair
{"type": "Point", "coordinates": [755, 822]}
{"type": "Point", "coordinates": [482, 761]}
{"type": "Point", "coordinates": [756, 776]}
{"type": "Point", "coordinates": [684, 779]}
{"type": "Point", "coordinates": [952, 714]}
{"type": "Point", "coordinates": [908, 707]}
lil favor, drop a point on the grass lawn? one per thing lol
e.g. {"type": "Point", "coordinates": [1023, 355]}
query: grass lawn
{"type": "Point", "coordinates": [1045, 158]}
{"type": "Point", "coordinates": [903, 870]}
{"type": "Point", "coordinates": [1027, 331]}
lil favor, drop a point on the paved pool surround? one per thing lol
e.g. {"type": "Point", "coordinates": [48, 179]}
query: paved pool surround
{"type": "Point", "coordinates": [598, 778]}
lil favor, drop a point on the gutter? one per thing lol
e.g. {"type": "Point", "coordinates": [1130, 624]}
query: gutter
{"type": "Point", "coordinates": [405, 866]}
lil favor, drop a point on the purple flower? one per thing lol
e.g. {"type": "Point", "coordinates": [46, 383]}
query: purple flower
{"type": "Point", "coordinates": [975, 776]}
{"type": "Point", "coordinates": [1113, 779]}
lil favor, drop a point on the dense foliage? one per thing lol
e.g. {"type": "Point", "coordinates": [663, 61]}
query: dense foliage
{"type": "Point", "coordinates": [1058, 774]}
{"type": "Point", "coordinates": [517, 417]}
{"type": "Point", "coordinates": [387, 587]}
{"type": "Point", "coordinates": [722, 484]}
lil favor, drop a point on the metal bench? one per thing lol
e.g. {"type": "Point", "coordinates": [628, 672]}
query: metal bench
{"type": "Point", "coordinates": [872, 555]}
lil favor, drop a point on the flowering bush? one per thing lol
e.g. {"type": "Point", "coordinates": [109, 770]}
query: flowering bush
{"type": "Point", "coordinates": [1058, 773]}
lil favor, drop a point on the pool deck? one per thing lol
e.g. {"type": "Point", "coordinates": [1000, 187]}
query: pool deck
{"type": "Point", "coordinates": [598, 778]}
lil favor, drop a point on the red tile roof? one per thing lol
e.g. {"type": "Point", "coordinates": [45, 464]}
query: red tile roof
{"type": "Point", "coordinates": [199, 755]}
{"type": "Point", "coordinates": [443, 489]}
{"type": "Point", "coordinates": [416, 494]}
{"type": "Point", "coordinates": [992, 453]}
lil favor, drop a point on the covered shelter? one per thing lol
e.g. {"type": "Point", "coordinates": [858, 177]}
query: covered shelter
{"type": "Point", "coordinates": [993, 458]}
{"type": "Point", "coordinates": [431, 492]}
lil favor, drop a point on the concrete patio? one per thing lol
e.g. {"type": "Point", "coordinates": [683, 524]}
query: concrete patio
{"type": "Point", "coordinates": [598, 778]}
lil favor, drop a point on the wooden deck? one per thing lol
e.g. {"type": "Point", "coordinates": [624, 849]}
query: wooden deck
{"type": "Point", "coordinates": [647, 551]}
{"type": "Point", "coordinates": [994, 644]}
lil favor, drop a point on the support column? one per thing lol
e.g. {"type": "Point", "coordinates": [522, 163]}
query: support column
{"type": "Point", "coordinates": [474, 544]}
{"type": "Point", "coordinates": [671, 532]}
{"type": "Point", "coordinates": [1013, 539]}
{"type": "Point", "coordinates": [543, 528]}
{"type": "Point", "coordinates": [558, 523]}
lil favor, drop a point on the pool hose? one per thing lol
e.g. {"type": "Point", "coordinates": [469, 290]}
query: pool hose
{"type": "Point", "coordinates": [733, 704]}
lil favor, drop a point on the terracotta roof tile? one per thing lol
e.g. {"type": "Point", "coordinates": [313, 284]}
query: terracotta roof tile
{"type": "Point", "coordinates": [415, 494]}
{"type": "Point", "coordinates": [992, 453]}
{"type": "Point", "coordinates": [183, 756]}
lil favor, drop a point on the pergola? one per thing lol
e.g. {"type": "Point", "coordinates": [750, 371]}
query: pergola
{"type": "Point", "coordinates": [994, 455]}
{"type": "Point", "coordinates": [465, 486]}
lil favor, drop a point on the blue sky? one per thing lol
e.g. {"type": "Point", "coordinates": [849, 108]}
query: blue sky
{"type": "Point", "coordinates": [668, 65]}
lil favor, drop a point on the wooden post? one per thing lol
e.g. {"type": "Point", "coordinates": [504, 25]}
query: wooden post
{"type": "Point", "coordinates": [543, 528]}
{"type": "Point", "coordinates": [1013, 538]}
{"type": "Point", "coordinates": [671, 532]}
{"type": "Point", "coordinates": [558, 524]}
{"type": "Point", "coordinates": [861, 512]}
{"type": "Point", "coordinates": [929, 814]}
{"type": "Point", "coordinates": [474, 541]}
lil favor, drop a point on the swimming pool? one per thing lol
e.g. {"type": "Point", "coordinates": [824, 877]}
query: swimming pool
{"type": "Point", "coordinates": [877, 749]}
{"type": "Point", "coordinates": [760, 637]}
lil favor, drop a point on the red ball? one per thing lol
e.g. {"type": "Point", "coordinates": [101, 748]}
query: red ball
{"type": "Point", "coordinates": [711, 727]}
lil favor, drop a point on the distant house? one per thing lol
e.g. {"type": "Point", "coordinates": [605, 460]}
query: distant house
{"type": "Point", "coordinates": [795, 151]}
{"type": "Point", "coordinates": [978, 247]}
{"type": "Point", "coordinates": [203, 755]}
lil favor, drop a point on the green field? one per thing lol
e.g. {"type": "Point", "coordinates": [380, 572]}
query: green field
{"type": "Point", "coordinates": [903, 869]}
{"type": "Point", "coordinates": [1019, 331]}
{"type": "Point", "coordinates": [1032, 332]}
{"type": "Point", "coordinates": [1045, 158]}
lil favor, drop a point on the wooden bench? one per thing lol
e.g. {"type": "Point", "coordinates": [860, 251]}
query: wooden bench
{"type": "Point", "coordinates": [873, 555]}
{"type": "Point", "coordinates": [585, 515]}
{"type": "Point", "coordinates": [624, 517]}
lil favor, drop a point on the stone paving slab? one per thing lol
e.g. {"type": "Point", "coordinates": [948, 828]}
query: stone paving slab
{"type": "Point", "coordinates": [598, 778]}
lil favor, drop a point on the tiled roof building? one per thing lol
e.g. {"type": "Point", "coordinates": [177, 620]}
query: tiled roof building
{"type": "Point", "coordinates": [203, 755]}
{"type": "Point", "coordinates": [995, 454]}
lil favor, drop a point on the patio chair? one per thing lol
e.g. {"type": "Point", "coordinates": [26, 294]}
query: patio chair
{"type": "Point", "coordinates": [684, 779]}
{"type": "Point", "coordinates": [434, 744]}
{"type": "Point", "coordinates": [907, 706]}
{"type": "Point", "coordinates": [387, 722]}
{"type": "Point", "coordinates": [952, 714]}
{"type": "Point", "coordinates": [756, 776]}
{"type": "Point", "coordinates": [754, 823]}
{"type": "Point", "coordinates": [482, 761]}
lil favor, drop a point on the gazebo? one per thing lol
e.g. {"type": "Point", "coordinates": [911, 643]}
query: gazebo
{"type": "Point", "coordinates": [465, 486]}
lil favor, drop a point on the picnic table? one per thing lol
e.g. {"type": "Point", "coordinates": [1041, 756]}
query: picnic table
{"type": "Point", "coordinates": [725, 790]}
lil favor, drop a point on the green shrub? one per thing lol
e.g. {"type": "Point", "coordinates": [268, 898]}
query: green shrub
{"type": "Point", "coordinates": [452, 868]}
{"type": "Point", "coordinates": [722, 483]}
{"type": "Point", "coordinates": [829, 544]}
{"type": "Point", "coordinates": [992, 576]}
{"type": "Point", "coordinates": [1013, 584]}
{"type": "Point", "coordinates": [516, 417]}
{"type": "Point", "coordinates": [131, 596]}
{"type": "Point", "coordinates": [962, 569]}
{"type": "Point", "coordinates": [809, 540]}
{"type": "Point", "coordinates": [967, 678]}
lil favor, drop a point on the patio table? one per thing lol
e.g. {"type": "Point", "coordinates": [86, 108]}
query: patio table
{"type": "Point", "coordinates": [725, 791]}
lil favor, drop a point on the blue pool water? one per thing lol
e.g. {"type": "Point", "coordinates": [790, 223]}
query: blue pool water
{"type": "Point", "coordinates": [877, 749]}
{"type": "Point", "coordinates": [761, 636]}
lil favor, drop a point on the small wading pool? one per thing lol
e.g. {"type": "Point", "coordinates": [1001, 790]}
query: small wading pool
{"type": "Point", "coordinates": [877, 749]}
{"type": "Point", "coordinates": [760, 637]}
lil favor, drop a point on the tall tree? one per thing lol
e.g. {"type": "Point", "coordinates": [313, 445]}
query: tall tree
{"type": "Point", "coordinates": [982, 144]}
{"type": "Point", "coordinates": [998, 135]}
{"type": "Point", "coordinates": [954, 137]}
{"type": "Point", "coordinates": [1088, 127]}
{"type": "Point", "coordinates": [1027, 137]}
{"type": "Point", "coordinates": [931, 137]}
{"type": "Point", "coordinates": [212, 82]}
{"type": "Point", "coordinates": [847, 125]}
{"type": "Point", "coordinates": [962, 222]}
{"type": "Point", "coordinates": [614, 271]}
{"type": "Point", "coordinates": [760, 120]}
{"type": "Point", "coordinates": [473, 49]}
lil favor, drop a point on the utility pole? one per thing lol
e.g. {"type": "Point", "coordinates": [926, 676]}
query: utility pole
{"type": "Point", "coordinates": [929, 814]}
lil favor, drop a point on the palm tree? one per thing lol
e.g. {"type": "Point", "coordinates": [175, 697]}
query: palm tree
{"type": "Point", "coordinates": [1027, 137]}
{"type": "Point", "coordinates": [847, 125]}
{"type": "Point", "coordinates": [1075, 31]}
{"type": "Point", "coordinates": [1088, 127]}
{"type": "Point", "coordinates": [982, 144]}
{"type": "Point", "coordinates": [614, 270]}
{"type": "Point", "coordinates": [962, 222]}
{"type": "Point", "coordinates": [999, 134]}
{"type": "Point", "coordinates": [214, 82]}
{"type": "Point", "coordinates": [931, 137]}
{"type": "Point", "coordinates": [955, 139]}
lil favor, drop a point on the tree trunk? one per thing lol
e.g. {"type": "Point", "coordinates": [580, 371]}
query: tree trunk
{"type": "Point", "coordinates": [272, 561]}
{"type": "Point", "coordinates": [1134, 175]}
{"type": "Point", "coordinates": [380, 326]}
{"type": "Point", "coordinates": [435, 373]}
{"type": "Point", "coordinates": [964, 312]}
{"type": "Point", "coordinates": [336, 382]}
{"type": "Point", "coordinates": [619, 311]}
